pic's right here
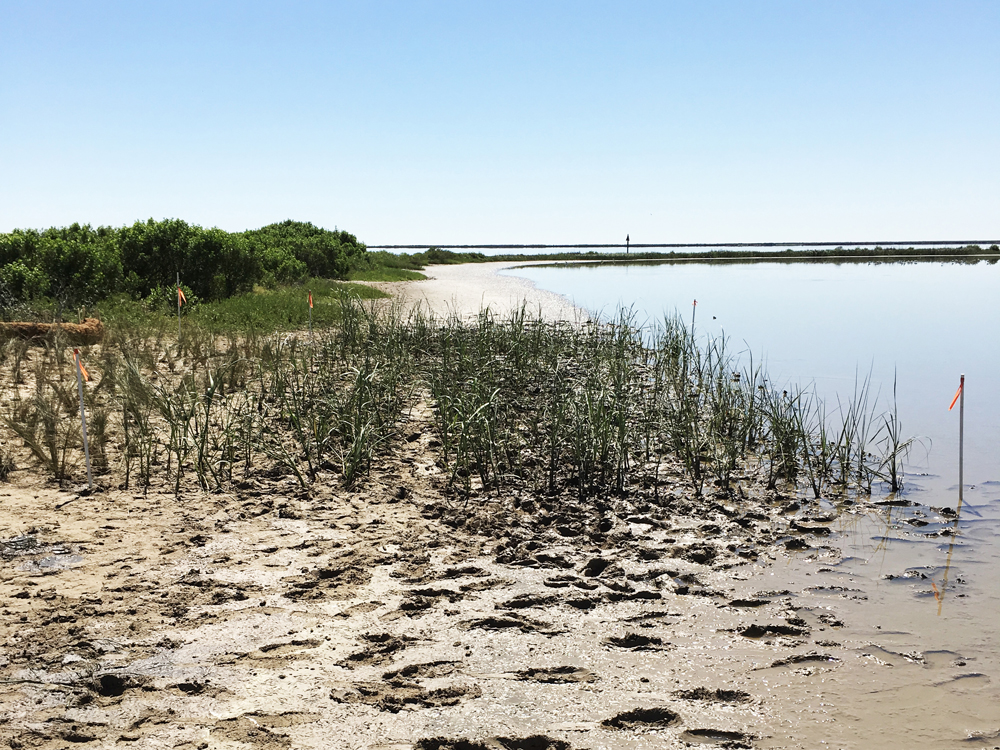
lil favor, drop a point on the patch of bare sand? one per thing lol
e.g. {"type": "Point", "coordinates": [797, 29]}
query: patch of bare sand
{"type": "Point", "coordinates": [468, 288]}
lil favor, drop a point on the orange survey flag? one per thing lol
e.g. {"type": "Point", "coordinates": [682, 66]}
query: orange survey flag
{"type": "Point", "coordinates": [181, 299]}
{"type": "Point", "coordinates": [957, 394]}
{"type": "Point", "coordinates": [310, 300]}
{"type": "Point", "coordinates": [79, 363]}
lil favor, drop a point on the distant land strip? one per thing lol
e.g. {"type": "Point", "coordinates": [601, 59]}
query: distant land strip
{"type": "Point", "coordinates": [927, 243]}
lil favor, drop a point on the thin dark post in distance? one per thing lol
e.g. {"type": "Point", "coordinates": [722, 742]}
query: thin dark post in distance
{"type": "Point", "coordinates": [626, 244]}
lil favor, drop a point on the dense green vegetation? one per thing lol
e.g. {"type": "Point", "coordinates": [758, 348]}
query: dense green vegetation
{"type": "Point", "coordinates": [77, 265]}
{"type": "Point", "coordinates": [262, 311]}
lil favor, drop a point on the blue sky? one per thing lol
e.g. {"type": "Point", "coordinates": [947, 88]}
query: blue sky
{"type": "Point", "coordinates": [477, 122]}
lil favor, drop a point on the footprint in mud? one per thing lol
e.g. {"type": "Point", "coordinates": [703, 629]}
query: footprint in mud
{"type": "Point", "coordinates": [197, 688]}
{"type": "Point", "coordinates": [633, 596]}
{"type": "Point", "coordinates": [462, 572]}
{"type": "Point", "coordinates": [540, 560]}
{"type": "Point", "coordinates": [563, 581]}
{"type": "Point", "coordinates": [507, 622]}
{"type": "Point", "coordinates": [427, 669]}
{"type": "Point", "coordinates": [282, 651]}
{"type": "Point", "coordinates": [718, 737]}
{"type": "Point", "coordinates": [689, 584]}
{"type": "Point", "coordinates": [556, 675]}
{"type": "Point", "coordinates": [811, 657]}
{"type": "Point", "coordinates": [484, 585]}
{"type": "Point", "coordinates": [535, 742]}
{"type": "Point", "coordinates": [358, 609]}
{"type": "Point", "coordinates": [396, 694]}
{"type": "Point", "coordinates": [601, 566]}
{"type": "Point", "coordinates": [747, 603]}
{"type": "Point", "coordinates": [418, 574]}
{"type": "Point", "coordinates": [718, 695]}
{"type": "Point", "coordinates": [528, 600]}
{"type": "Point", "coordinates": [646, 617]}
{"type": "Point", "coordinates": [643, 718]}
{"type": "Point", "coordinates": [110, 685]}
{"type": "Point", "coordinates": [61, 729]}
{"type": "Point", "coordinates": [699, 552]}
{"type": "Point", "coordinates": [420, 600]}
{"type": "Point", "coordinates": [255, 729]}
{"type": "Point", "coordinates": [759, 631]}
{"type": "Point", "coordinates": [382, 649]}
{"type": "Point", "coordinates": [338, 580]}
{"type": "Point", "coordinates": [831, 620]}
{"type": "Point", "coordinates": [636, 642]}
{"type": "Point", "coordinates": [653, 574]}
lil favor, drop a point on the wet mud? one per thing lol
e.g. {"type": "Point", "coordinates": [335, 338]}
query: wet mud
{"type": "Point", "coordinates": [380, 618]}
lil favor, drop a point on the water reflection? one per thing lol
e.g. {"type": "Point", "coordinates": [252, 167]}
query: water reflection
{"type": "Point", "coordinates": [939, 593]}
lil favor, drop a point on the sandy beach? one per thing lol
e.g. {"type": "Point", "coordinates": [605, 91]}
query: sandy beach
{"type": "Point", "coordinates": [466, 289]}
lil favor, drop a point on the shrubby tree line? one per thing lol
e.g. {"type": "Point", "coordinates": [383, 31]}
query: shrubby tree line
{"type": "Point", "coordinates": [80, 264]}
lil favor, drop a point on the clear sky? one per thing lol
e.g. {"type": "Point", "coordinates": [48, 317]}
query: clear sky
{"type": "Point", "coordinates": [477, 122]}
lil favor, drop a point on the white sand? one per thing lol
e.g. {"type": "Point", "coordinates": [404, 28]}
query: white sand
{"type": "Point", "coordinates": [468, 288]}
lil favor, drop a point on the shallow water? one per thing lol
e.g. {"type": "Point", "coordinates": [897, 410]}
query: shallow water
{"type": "Point", "coordinates": [934, 588]}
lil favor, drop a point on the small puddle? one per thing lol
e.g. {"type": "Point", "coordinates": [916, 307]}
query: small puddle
{"type": "Point", "coordinates": [61, 560]}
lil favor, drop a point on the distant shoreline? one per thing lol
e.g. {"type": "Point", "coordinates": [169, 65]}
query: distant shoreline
{"type": "Point", "coordinates": [746, 252]}
{"type": "Point", "coordinates": [585, 246]}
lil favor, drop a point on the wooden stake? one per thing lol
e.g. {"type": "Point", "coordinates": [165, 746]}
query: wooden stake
{"type": "Point", "coordinates": [83, 416]}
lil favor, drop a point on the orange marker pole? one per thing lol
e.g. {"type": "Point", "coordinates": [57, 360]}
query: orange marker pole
{"type": "Point", "coordinates": [310, 315]}
{"type": "Point", "coordinates": [178, 312]}
{"type": "Point", "coordinates": [961, 438]}
{"type": "Point", "coordinates": [960, 397]}
{"type": "Point", "coordinates": [80, 370]}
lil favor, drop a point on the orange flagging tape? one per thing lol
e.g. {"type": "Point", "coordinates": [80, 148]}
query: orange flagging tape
{"type": "Point", "coordinates": [957, 394]}
{"type": "Point", "coordinates": [181, 299]}
{"type": "Point", "coordinates": [310, 299]}
{"type": "Point", "coordinates": [79, 362]}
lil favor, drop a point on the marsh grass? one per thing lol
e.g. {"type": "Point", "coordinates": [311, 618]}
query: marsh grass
{"type": "Point", "coordinates": [598, 408]}
{"type": "Point", "coordinates": [519, 404]}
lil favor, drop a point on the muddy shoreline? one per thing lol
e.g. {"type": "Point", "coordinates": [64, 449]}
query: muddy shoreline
{"type": "Point", "coordinates": [397, 616]}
